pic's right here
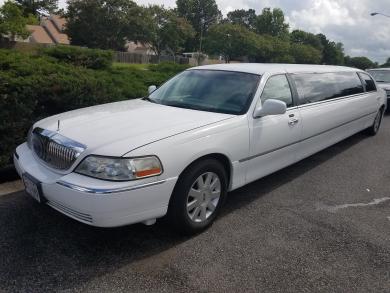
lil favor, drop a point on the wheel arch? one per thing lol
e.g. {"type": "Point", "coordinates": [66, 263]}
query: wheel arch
{"type": "Point", "coordinates": [222, 158]}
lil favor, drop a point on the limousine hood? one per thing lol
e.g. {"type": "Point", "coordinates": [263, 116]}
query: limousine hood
{"type": "Point", "coordinates": [117, 128]}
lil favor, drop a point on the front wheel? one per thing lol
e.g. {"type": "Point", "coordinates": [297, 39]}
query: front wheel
{"type": "Point", "coordinates": [373, 130]}
{"type": "Point", "coordinates": [198, 196]}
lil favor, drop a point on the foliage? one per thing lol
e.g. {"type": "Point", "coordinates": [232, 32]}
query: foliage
{"type": "Point", "coordinates": [168, 68]}
{"type": "Point", "coordinates": [231, 41]}
{"type": "Point", "coordinates": [36, 86]}
{"type": "Point", "coordinates": [332, 53]}
{"type": "Point", "coordinates": [305, 54]}
{"type": "Point", "coordinates": [272, 22]}
{"type": "Point", "coordinates": [387, 63]}
{"type": "Point", "coordinates": [235, 41]}
{"type": "Point", "coordinates": [168, 32]}
{"type": "Point", "coordinates": [201, 14]}
{"type": "Point", "coordinates": [36, 7]}
{"type": "Point", "coordinates": [306, 38]}
{"type": "Point", "coordinates": [12, 22]}
{"type": "Point", "coordinates": [106, 24]}
{"type": "Point", "coordinates": [89, 58]}
{"type": "Point", "coordinates": [246, 18]}
{"type": "Point", "coordinates": [359, 62]}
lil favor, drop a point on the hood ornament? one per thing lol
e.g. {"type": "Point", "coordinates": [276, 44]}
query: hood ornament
{"type": "Point", "coordinates": [58, 126]}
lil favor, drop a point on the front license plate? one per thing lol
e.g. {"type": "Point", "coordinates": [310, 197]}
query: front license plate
{"type": "Point", "coordinates": [32, 187]}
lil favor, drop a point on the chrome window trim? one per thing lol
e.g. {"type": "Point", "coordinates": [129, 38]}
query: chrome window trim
{"type": "Point", "coordinates": [108, 190]}
{"type": "Point", "coordinates": [333, 100]}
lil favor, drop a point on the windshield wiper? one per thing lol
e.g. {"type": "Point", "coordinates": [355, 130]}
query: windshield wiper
{"type": "Point", "coordinates": [187, 106]}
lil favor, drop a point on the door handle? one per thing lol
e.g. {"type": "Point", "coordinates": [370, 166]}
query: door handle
{"type": "Point", "coordinates": [293, 121]}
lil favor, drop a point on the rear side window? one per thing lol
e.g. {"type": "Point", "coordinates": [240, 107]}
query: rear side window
{"type": "Point", "coordinates": [278, 88]}
{"type": "Point", "coordinates": [368, 82]}
{"type": "Point", "coordinates": [316, 87]}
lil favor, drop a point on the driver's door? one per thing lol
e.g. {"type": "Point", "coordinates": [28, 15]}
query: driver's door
{"type": "Point", "coordinates": [274, 138]}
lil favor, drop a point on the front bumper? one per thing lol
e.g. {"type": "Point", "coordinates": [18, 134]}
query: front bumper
{"type": "Point", "coordinates": [97, 202]}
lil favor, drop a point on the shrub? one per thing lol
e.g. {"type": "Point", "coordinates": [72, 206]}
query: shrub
{"type": "Point", "coordinates": [89, 58]}
{"type": "Point", "coordinates": [33, 87]}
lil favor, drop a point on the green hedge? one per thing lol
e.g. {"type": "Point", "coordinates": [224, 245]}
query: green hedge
{"type": "Point", "coordinates": [89, 58]}
{"type": "Point", "coordinates": [36, 86]}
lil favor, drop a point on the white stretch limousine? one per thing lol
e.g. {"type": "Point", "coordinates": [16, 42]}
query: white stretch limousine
{"type": "Point", "coordinates": [205, 132]}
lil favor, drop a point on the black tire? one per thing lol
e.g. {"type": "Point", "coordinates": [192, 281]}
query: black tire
{"type": "Point", "coordinates": [178, 215]}
{"type": "Point", "coordinates": [374, 128]}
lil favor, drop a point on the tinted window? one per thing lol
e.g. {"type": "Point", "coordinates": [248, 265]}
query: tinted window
{"type": "Point", "coordinates": [208, 90]}
{"type": "Point", "coordinates": [315, 87]}
{"type": "Point", "coordinates": [369, 84]}
{"type": "Point", "coordinates": [278, 88]}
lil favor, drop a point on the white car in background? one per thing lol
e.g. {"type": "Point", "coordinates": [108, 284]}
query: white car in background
{"type": "Point", "coordinates": [382, 77]}
{"type": "Point", "coordinates": [207, 131]}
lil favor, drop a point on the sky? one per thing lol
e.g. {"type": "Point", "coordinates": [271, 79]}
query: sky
{"type": "Point", "coordinates": [346, 21]}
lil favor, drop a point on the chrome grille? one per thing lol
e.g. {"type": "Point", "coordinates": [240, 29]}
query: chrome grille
{"type": "Point", "coordinates": [54, 149]}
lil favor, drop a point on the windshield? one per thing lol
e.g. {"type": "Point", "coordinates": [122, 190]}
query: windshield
{"type": "Point", "coordinates": [380, 75]}
{"type": "Point", "coordinates": [208, 90]}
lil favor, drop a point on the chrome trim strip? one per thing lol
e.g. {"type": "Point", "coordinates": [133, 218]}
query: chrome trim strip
{"type": "Point", "coordinates": [107, 191]}
{"type": "Point", "coordinates": [290, 144]}
{"type": "Point", "coordinates": [333, 100]}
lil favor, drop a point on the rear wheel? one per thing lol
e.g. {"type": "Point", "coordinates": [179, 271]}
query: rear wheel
{"type": "Point", "coordinates": [198, 196]}
{"type": "Point", "coordinates": [373, 130]}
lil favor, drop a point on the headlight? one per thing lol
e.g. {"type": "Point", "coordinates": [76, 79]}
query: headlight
{"type": "Point", "coordinates": [120, 169]}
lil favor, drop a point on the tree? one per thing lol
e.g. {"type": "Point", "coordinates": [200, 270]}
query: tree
{"type": "Point", "coordinates": [36, 7]}
{"type": "Point", "coordinates": [168, 31]}
{"type": "Point", "coordinates": [106, 24]}
{"type": "Point", "coordinates": [201, 14]}
{"type": "Point", "coordinates": [306, 38]}
{"type": "Point", "coordinates": [272, 22]}
{"type": "Point", "coordinates": [332, 53]}
{"type": "Point", "coordinates": [246, 18]}
{"type": "Point", "coordinates": [305, 54]}
{"type": "Point", "coordinates": [231, 41]}
{"type": "Point", "coordinates": [387, 63]}
{"type": "Point", "coordinates": [12, 22]}
{"type": "Point", "coordinates": [359, 62]}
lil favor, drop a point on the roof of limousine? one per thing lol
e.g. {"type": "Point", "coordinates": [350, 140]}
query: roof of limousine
{"type": "Point", "coordinates": [261, 68]}
{"type": "Point", "coordinates": [374, 69]}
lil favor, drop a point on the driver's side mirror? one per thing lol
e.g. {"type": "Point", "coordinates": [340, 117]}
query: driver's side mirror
{"type": "Point", "coordinates": [151, 89]}
{"type": "Point", "coordinates": [271, 107]}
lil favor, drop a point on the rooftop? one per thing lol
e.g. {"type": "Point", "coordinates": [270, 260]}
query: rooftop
{"type": "Point", "coordinates": [261, 68]}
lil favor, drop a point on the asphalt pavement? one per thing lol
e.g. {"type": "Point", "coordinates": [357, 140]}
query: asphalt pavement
{"type": "Point", "coordinates": [321, 225]}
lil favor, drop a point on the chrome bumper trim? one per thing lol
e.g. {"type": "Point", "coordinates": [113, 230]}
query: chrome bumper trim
{"type": "Point", "coordinates": [107, 191]}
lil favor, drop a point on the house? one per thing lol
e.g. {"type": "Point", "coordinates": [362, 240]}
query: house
{"type": "Point", "coordinates": [139, 48]}
{"type": "Point", "coordinates": [49, 31]}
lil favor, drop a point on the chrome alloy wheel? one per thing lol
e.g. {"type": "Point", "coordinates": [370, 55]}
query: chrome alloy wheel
{"type": "Point", "coordinates": [203, 197]}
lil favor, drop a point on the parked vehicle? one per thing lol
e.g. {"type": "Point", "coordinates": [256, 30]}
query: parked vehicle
{"type": "Point", "coordinates": [382, 77]}
{"type": "Point", "coordinates": [205, 132]}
